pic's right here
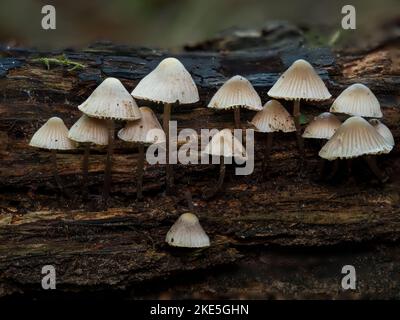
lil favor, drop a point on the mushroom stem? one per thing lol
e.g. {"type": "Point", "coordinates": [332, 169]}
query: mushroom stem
{"type": "Point", "coordinates": [268, 147]}
{"type": "Point", "coordinates": [371, 161]}
{"type": "Point", "coordinates": [55, 172]}
{"type": "Point", "coordinates": [110, 150]}
{"type": "Point", "coordinates": [334, 170]}
{"type": "Point", "coordinates": [188, 196]}
{"type": "Point", "coordinates": [140, 167]}
{"type": "Point", "coordinates": [221, 175]}
{"type": "Point", "coordinates": [236, 115]}
{"type": "Point", "coordinates": [85, 169]}
{"type": "Point", "coordinates": [169, 179]}
{"type": "Point", "coordinates": [296, 115]}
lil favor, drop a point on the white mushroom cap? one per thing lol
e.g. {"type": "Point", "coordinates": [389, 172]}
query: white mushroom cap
{"type": "Point", "coordinates": [322, 127]}
{"type": "Point", "coordinates": [89, 130]}
{"type": "Point", "coordinates": [300, 81]}
{"type": "Point", "coordinates": [236, 92]}
{"type": "Point", "coordinates": [383, 130]}
{"type": "Point", "coordinates": [187, 232]}
{"type": "Point", "coordinates": [357, 100]}
{"type": "Point", "coordinates": [225, 144]}
{"type": "Point", "coordinates": [145, 130]}
{"type": "Point", "coordinates": [53, 135]}
{"type": "Point", "coordinates": [110, 100]}
{"type": "Point", "coordinates": [169, 82]}
{"type": "Point", "coordinates": [354, 138]}
{"type": "Point", "coordinates": [273, 117]}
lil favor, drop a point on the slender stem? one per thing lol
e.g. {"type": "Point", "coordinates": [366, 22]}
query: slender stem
{"type": "Point", "coordinates": [85, 169]}
{"type": "Point", "coordinates": [236, 115]}
{"type": "Point", "coordinates": [371, 160]}
{"type": "Point", "coordinates": [296, 115]}
{"type": "Point", "coordinates": [188, 196]}
{"type": "Point", "coordinates": [140, 169]}
{"type": "Point", "coordinates": [221, 175]}
{"type": "Point", "coordinates": [268, 147]}
{"type": "Point", "coordinates": [110, 150]}
{"type": "Point", "coordinates": [322, 162]}
{"type": "Point", "coordinates": [335, 168]}
{"type": "Point", "coordinates": [55, 172]}
{"type": "Point", "coordinates": [169, 180]}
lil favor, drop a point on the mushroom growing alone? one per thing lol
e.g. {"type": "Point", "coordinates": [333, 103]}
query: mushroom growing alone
{"type": "Point", "coordinates": [323, 127]}
{"type": "Point", "coordinates": [224, 145]}
{"type": "Point", "coordinates": [53, 136]}
{"type": "Point", "coordinates": [236, 93]}
{"type": "Point", "coordinates": [383, 130]}
{"type": "Point", "coordinates": [187, 232]}
{"type": "Point", "coordinates": [147, 130]}
{"type": "Point", "coordinates": [357, 100]}
{"type": "Point", "coordinates": [356, 138]}
{"type": "Point", "coordinates": [88, 131]}
{"type": "Point", "coordinates": [272, 118]}
{"type": "Point", "coordinates": [169, 83]}
{"type": "Point", "coordinates": [299, 82]}
{"type": "Point", "coordinates": [110, 101]}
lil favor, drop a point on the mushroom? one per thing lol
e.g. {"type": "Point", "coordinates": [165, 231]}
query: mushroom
{"type": "Point", "coordinates": [88, 131]}
{"type": "Point", "coordinates": [235, 93]}
{"type": "Point", "coordinates": [383, 130]}
{"type": "Point", "coordinates": [146, 130]}
{"type": "Point", "coordinates": [187, 232]}
{"type": "Point", "coordinates": [169, 83]}
{"type": "Point", "coordinates": [323, 127]}
{"type": "Point", "coordinates": [299, 82]}
{"type": "Point", "coordinates": [53, 136]}
{"type": "Point", "coordinates": [357, 100]}
{"type": "Point", "coordinates": [224, 145]}
{"type": "Point", "coordinates": [111, 101]}
{"type": "Point", "coordinates": [356, 138]}
{"type": "Point", "coordinates": [272, 118]}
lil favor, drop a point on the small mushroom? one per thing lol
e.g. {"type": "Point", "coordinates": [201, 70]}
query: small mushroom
{"type": "Point", "coordinates": [53, 136]}
{"type": "Point", "coordinates": [224, 145]}
{"type": "Point", "coordinates": [383, 130]}
{"type": "Point", "coordinates": [356, 138]}
{"type": "Point", "coordinates": [169, 83]}
{"type": "Point", "coordinates": [147, 130]}
{"type": "Point", "coordinates": [272, 118]}
{"type": "Point", "coordinates": [299, 82]}
{"type": "Point", "coordinates": [357, 100]}
{"type": "Point", "coordinates": [323, 127]}
{"type": "Point", "coordinates": [187, 232]}
{"type": "Point", "coordinates": [236, 93]}
{"type": "Point", "coordinates": [111, 101]}
{"type": "Point", "coordinates": [88, 131]}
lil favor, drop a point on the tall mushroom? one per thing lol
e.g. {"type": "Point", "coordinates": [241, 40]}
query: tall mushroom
{"type": "Point", "coordinates": [145, 131]}
{"type": "Point", "coordinates": [224, 145]}
{"type": "Point", "coordinates": [383, 130]}
{"type": "Point", "coordinates": [356, 138]}
{"type": "Point", "coordinates": [111, 101]}
{"type": "Point", "coordinates": [299, 82]}
{"type": "Point", "coordinates": [87, 131]}
{"type": "Point", "coordinates": [272, 118]}
{"type": "Point", "coordinates": [357, 100]}
{"type": "Point", "coordinates": [236, 93]}
{"type": "Point", "coordinates": [169, 83]}
{"type": "Point", "coordinates": [53, 136]}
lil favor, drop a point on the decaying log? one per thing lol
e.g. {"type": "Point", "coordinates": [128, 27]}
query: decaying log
{"type": "Point", "coordinates": [123, 247]}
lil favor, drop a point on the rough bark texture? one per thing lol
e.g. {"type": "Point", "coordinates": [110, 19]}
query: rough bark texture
{"type": "Point", "coordinates": [124, 247]}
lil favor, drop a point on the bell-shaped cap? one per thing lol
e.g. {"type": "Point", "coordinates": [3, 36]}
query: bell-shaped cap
{"type": "Point", "coordinates": [110, 100]}
{"type": "Point", "coordinates": [89, 130]}
{"type": "Point", "coordinates": [354, 138]}
{"type": "Point", "coordinates": [169, 82]}
{"type": "Point", "coordinates": [53, 135]}
{"type": "Point", "coordinates": [322, 127]}
{"type": "Point", "coordinates": [145, 130]}
{"type": "Point", "coordinates": [187, 232]}
{"type": "Point", "coordinates": [383, 130]}
{"type": "Point", "coordinates": [273, 117]}
{"type": "Point", "coordinates": [300, 81]}
{"type": "Point", "coordinates": [225, 144]}
{"type": "Point", "coordinates": [236, 92]}
{"type": "Point", "coordinates": [357, 100]}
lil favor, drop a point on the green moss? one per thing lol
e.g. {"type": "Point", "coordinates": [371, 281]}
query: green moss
{"type": "Point", "coordinates": [60, 61]}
